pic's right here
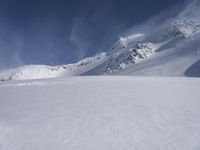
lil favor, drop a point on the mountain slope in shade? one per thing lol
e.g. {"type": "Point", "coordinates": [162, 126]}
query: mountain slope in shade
{"type": "Point", "coordinates": [172, 49]}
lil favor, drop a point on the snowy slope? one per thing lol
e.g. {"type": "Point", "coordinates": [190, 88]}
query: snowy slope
{"type": "Point", "coordinates": [174, 61]}
{"type": "Point", "coordinates": [171, 50]}
{"type": "Point", "coordinates": [43, 71]}
{"type": "Point", "coordinates": [100, 113]}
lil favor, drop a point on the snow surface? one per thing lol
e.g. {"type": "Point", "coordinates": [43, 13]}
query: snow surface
{"type": "Point", "coordinates": [100, 113]}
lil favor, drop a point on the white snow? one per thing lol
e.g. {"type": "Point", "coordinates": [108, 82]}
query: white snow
{"type": "Point", "coordinates": [32, 72]}
{"type": "Point", "coordinates": [100, 113]}
{"type": "Point", "coordinates": [111, 112]}
{"type": "Point", "coordinates": [132, 38]}
{"type": "Point", "coordinates": [171, 49]}
{"type": "Point", "coordinates": [189, 20]}
{"type": "Point", "coordinates": [43, 71]}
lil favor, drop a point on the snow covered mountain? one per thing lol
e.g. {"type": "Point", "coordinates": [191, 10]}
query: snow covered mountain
{"type": "Point", "coordinates": [111, 112]}
{"type": "Point", "coordinates": [44, 71]}
{"type": "Point", "coordinates": [172, 49]}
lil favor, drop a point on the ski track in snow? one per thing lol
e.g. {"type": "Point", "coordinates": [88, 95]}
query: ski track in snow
{"type": "Point", "coordinates": [87, 113]}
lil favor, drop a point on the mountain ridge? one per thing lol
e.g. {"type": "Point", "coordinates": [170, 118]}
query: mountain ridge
{"type": "Point", "coordinates": [170, 51]}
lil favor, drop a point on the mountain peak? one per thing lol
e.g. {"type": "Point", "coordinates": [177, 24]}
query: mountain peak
{"type": "Point", "coordinates": [168, 51]}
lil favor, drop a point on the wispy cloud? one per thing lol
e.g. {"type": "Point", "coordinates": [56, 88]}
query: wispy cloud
{"type": "Point", "coordinates": [79, 37]}
{"type": "Point", "coordinates": [93, 33]}
{"type": "Point", "coordinates": [155, 22]}
{"type": "Point", "coordinates": [11, 43]}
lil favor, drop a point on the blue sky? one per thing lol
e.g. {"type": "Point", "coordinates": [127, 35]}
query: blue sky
{"type": "Point", "coordinates": [64, 31]}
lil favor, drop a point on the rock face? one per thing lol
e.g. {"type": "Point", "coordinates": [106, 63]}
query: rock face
{"type": "Point", "coordinates": [169, 51]}
{"type": "Point", "coordinates": [173, 32]}
{"type": "Point", "coordinates": [128, 57]}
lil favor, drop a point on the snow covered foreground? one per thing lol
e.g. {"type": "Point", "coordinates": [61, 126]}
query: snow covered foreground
{"type": "Point", "coordinates": [100, 113]}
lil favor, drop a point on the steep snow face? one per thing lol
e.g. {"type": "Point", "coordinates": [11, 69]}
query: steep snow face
{"type": "Point", "coordinates": [173, 32]}
{"type": "Point", "coordinates": [87, 64]}
{"type": "Point", "coordinates": [187, 23]}
{"type": "Point", "coordinates": [189, 20]}
{"type": "Point", "coordinates": [174, 61]}
{"type": "Point", "coordinates": [128, 57]}
{"type": "Point", "coordinates": [169, 51]}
